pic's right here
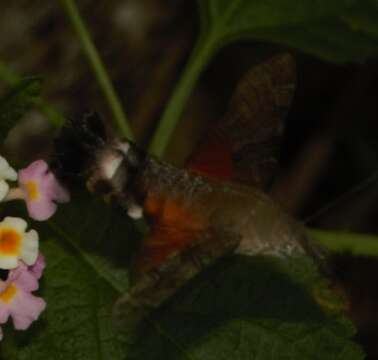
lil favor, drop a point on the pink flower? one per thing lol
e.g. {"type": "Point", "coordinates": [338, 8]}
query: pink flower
{"type": "Point", "coordinates": [16, 299]}
{"type": "Point", "coordinates": [41, 189]}
{"type": "Point", "coordinates": [38, 267]}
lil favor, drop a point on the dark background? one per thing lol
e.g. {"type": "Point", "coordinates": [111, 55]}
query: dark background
{"type": "Point", "coordinates": [328, 168]}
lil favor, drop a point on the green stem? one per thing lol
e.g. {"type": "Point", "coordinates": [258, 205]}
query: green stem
{"type": "Point", "coordinates": [50, 112]}
{"type": "Point", "coordinates": [98, 68]}
{"type": "Point", "coordinates": [171, 116]}
{"type": "Point", "coordinates": [7, 75]}
{"type": "Point", "coordinates": [340, 241]}
{"type": "Point", "coordinates": [10, 78]}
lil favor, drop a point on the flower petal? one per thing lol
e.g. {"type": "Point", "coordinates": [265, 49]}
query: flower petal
{"type": "Point", "coordinates": [4, 188]}
{"type": "Point", "coordinates": [10, 174]}
{"type": "Point", "coordinates": [16, 299]}
{"type": "Point", "coordinates": [8, 262]}
{"type": "Point", "coordinates": [27, 309]}
{"type": "Point", "coordinates": [33, 171]}
{"type": "Point", "coordinates": [6, 171]}
{"type": "Point", "coordinates": [41, 210]}
{"type": "Point", "coordinates": [15, 223]}
{"type": "Point", "coordinates": [38, 267]}
{"type": "Point", "coordinates": [23, 278]}
{"type": "Point", "coordinates": [41, 189]}
{"type": "Point", "coordinates": [17, 245]}
{"type": "Point", "coordinates": [4, 314]}
{"type": "Point", "coordinates": [29, 251]}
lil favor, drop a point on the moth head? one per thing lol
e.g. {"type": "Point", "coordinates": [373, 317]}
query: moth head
{"type": "Point", "coordinates": [85, 152]}
{"type": "Point", "coordinates": [113, 175]}
{"type": "Point", "coordinates": [75, 146]}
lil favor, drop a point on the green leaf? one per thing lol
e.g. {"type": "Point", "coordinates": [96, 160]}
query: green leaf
{"type": "Point", "coordinates": [103, 236]}
{"type": "Point", "coordinates": [10, 78]}
{"type": "Point", "coordinates": [340, 30]}
{"type": "Point", "coordinates": [77, 322]}
{"type": "Point", "coordinates": [342, 241]}
{"type": "Point", "coordinates": [86, 246]}
{"type": "Point", "coordinates": [119, 116]}
{"type": "Point", "coordinates": [242, 308]}
{"type": "Point", "coordinates": [16, 102]}
{"type": "Point", "coordinates": [250, 308]}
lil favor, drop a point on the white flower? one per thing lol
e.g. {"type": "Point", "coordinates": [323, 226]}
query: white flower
{"type": "Point", "coordinates": [6, 173]}
{"type": "Point", "coordinates": [17, 244]}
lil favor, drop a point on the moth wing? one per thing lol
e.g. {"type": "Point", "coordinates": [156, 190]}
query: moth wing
{"type": "Point", "coordinates": [244, 145]}
{"type": "Point", "coordinates": [242, 148]}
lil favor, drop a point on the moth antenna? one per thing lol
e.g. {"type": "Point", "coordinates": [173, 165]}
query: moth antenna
{"type": "Point", "coordinates": [371, 179]}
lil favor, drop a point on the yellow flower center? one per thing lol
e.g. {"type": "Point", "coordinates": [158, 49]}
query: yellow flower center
{"type": "Point", "coordinates": [32, 190]}
{"type": "Point", "coordinates": [8, 293]}
{"type": "Point", "coordinates": [10, 241]}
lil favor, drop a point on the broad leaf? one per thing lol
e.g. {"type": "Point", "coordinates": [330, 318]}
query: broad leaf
{"type": "Point", "coordinates": [77, 322]}
{"type": "Point", "coordinates": [80, 285]}
{"type": "Point", "coordinates": [16, 102]}
{"type": "Point", "coordinates": [242, 308]}
{"type": "Point", "coordinates": [104, 236]}
{"type": "Point", "coordinates": [250, 308]}
{"type": "Point", "coordinates": [340, 30]}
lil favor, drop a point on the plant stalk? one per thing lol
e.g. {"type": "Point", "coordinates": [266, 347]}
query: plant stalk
{"type": "Point", "coordinates": [340, 241]}
{"type": "Point", "coordinates": [10, 78]}
{"type": "Point", "coordinates": [98, 68]}
{"type": "Point", "coordinates": [200, 56]}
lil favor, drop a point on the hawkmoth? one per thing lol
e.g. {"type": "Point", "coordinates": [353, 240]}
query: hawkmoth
{"type": "Point", "coordinates": [199, 214]}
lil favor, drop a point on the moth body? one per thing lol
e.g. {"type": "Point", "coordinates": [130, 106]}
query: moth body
{"type": "Point", "coordinates": [194, 221]}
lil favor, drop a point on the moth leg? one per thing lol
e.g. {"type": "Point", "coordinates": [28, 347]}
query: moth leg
{"type": "Point", "coordinates": [153, 288]}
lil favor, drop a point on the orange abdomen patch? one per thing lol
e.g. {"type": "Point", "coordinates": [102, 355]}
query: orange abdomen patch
{"type": "Point", "coordinates": [173, 228]}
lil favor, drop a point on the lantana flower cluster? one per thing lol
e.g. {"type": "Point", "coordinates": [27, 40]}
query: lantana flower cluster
{"type": "Point", "coordinates": [21, 263]}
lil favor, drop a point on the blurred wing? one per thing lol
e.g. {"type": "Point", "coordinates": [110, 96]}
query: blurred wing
{"type": "Point", "coordinates": [243, 148]}
{"type": "Point", "coordinates": [245, 143]}
{"type": "Point", "coordinates": [172, 229]}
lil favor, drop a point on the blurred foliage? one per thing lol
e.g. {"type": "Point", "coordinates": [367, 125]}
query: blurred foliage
{"type": "Point", "coordinates": [347, 242]}
{"type": "Point", "coordinates": [18, 100]}
{"type": "Point", "coordinates": [262, 306]}
{"type": "Point", "coordinates": [340, 30]}
{"type": "Point", "coordinates": [245, 308]}
{"type": "Point", "coordinates": [273, 307]}
{"type": "Point", "coordinates": [242, 307]}
{"type": "Point", "coordinates": [79, 285]}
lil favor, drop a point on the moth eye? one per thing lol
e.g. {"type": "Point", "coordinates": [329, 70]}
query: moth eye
{"type": "Point", "coordinates": [102, 187]}
{"type": "Point", "coordinates": [99, 186]}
